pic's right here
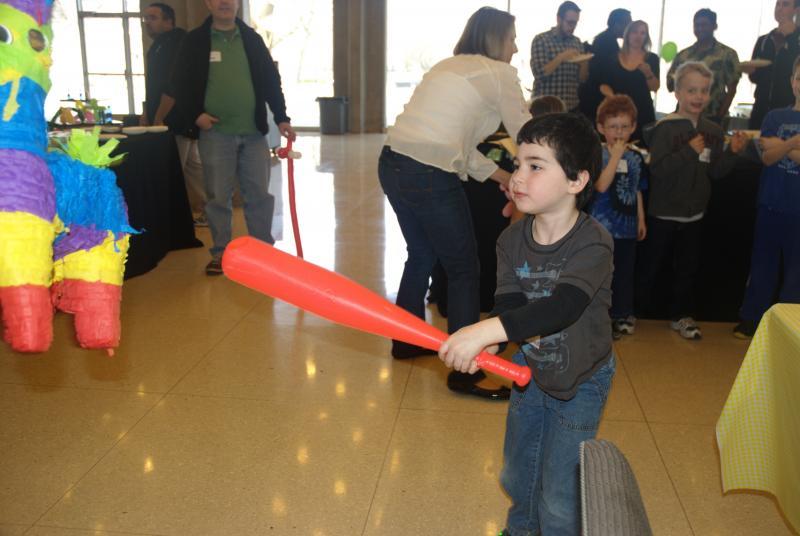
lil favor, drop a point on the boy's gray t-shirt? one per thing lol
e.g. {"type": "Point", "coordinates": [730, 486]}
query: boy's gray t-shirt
{"type": "Point", "coordinates": [583, 258]}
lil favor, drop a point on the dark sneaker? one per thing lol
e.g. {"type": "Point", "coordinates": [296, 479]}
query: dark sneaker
{"type": "Point", "coordinates": [214, 267]}
{"type": "Point", "coordinates": [688, 328]}
{"type": "Point", "coordinates": [628, 325]}
{"type": "Point", "coordinates": [745, 329]}
{"type": "Point", "coordinates": [616, 334]}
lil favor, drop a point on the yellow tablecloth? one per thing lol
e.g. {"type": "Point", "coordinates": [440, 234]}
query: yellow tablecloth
{"type": "Point", "coordinates": [758, 433]}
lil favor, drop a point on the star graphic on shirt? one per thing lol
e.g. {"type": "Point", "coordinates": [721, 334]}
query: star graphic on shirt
{"type": "Point", "coordinates": [524, 272]}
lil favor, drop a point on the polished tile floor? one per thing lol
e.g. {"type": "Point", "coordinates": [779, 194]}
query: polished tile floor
{"type": "Point", "coordinates": [226, 413]}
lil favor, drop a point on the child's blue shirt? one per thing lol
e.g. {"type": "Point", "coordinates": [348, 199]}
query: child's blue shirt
{"type": "Point", "coordinates": [616, 207]}
{"type": "Point", "coordinates": [779, 188]}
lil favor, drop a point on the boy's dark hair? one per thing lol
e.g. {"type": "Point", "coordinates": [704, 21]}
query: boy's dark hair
{"type": "Point", "coordinates": [567, 6]}
{"type": "Point", "coordinates": [707, 13]}
{"type": "Point", "coordinates": [166, 11]}
{"type": "Point", "coordinates": [574, 142]}
{"type": "Point", "coordinates": [547, 104]}
{"type": "Point", "coordinates": [616, 105]}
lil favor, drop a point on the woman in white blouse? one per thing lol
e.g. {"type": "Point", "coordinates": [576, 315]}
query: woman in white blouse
{"type": "Point", "coordinates": [431, 148]}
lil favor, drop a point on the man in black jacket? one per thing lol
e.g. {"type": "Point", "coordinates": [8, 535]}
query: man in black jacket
{"type": "Point", "coordinates": [159, 23]}
{"type": "Point", "coordinates": [223, 79]}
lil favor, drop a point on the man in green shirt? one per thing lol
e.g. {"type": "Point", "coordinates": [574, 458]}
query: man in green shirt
{"type": "Point", "coordinates": [223, 79]}
{"type": "Point", "coordinates": [722, 60]}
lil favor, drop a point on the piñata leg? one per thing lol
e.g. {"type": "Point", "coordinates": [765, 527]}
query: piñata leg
{"type": "Point", "coordinates": [88, 284]}
{"type": "Point", "coordinates": [27, 212]}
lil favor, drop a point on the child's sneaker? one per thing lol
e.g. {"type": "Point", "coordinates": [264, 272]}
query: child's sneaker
{"type": "Point", "coordinates": [616, 334]}
{"type": "Point", "coordinates": [687, 327]}
{"type": "Point", "coordinates": [214, 267]}
{"type": "Point", "coordinates": [745, 329]}
{"type": "Point", "coordinates": [625, 326]}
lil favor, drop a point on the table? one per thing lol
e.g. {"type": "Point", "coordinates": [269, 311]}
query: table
{"type": "Point", "coordinates": [152, 182]}
{"type": "Point", "coordinates": [758, 433]}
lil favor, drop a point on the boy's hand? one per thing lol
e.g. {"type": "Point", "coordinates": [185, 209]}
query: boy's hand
{"type": "Point", "coordinates": [459, 351]}
{"type": "Point", "coordinates": [617, 149]}
{"type": "Point", "coordinates": [738, 142]}
{"type": "Point", "coordinates": [794, 141]}
{"type": "Point", "coordinates": [641, 230]}
{"type": "Point", "coordinates": [698, 143]}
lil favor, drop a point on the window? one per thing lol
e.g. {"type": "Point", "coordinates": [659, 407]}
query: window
{"type": "Point", "coordinates": [111, 48]}
{"type": "Point", "coordinates": [420, 34]}
{"type": "Point", "coordinates": [299, 35]}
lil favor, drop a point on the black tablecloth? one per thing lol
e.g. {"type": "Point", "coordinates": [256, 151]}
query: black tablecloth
{"type": "Point", "coordinates": [151, 179]}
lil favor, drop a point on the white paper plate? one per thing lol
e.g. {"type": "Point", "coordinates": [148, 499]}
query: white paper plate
{"type": "Point", "coordinates": [755, 63]}
{"type": "Point", "coordinates": [112, 136]}
{"type": "Point", "coordinates": [580, 57]}
{"type": "Point", "coordinates": [157, 128]}
{"type": "Point", "coordinates": [134, 130]}
{"type": "Point", "coordinates": [110, 128]}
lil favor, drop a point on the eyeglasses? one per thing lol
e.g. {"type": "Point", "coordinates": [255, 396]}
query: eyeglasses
{"type": "Point", "coordinates": [619, 127]}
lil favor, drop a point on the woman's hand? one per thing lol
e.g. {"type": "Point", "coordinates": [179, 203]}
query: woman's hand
{"type": "Point", "coordinates": [606, 90]}
{"type": "Point", "coordinates": [502, 177]}
{"type": "Point", "coordinates": [646, 70]}
{"type": "Point", "coordinates": [641, 229]}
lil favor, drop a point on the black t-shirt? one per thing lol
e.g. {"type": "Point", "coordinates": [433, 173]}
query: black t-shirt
{"type": "Point", "coordinates": [633, 84]}
{"type": "Point", "coordinates": [160, 59]}
{"type": "Point", "coordinates": [773, 86]}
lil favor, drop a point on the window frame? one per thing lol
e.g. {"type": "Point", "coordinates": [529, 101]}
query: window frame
{"type": "Point", "coordinates": [125, 17]}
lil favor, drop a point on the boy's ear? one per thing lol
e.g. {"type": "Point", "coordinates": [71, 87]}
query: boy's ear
{"type": "Point", "coordinates": [576, 186]}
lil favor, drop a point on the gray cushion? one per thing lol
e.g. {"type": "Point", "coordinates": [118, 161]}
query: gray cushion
{"type": "Point", "coordinates": [611, 502]}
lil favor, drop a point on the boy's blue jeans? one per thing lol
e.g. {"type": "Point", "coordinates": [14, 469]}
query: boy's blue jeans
{"type": "Point", "coordinates": [541, 454]}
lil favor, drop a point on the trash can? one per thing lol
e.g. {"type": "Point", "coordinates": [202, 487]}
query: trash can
{"type": "Point", "coordinates": [332, 115]}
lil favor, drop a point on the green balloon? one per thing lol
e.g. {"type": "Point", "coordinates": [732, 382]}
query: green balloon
{"type": "Point", "coordinates": [669, 50]}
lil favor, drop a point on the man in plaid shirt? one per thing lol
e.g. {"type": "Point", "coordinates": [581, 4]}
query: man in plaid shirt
{"type": "Point", "coordinates": [550, 51]}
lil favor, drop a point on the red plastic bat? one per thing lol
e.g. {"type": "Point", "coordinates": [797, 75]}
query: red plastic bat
{"type": "Point", "coordinates": [261, 267]}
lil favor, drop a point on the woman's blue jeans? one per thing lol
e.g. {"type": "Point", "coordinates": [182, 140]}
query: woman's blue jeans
{"type": "Point", "coordinates": [434, 216]}
{"type": "Point", "coordinates": [541, 470]}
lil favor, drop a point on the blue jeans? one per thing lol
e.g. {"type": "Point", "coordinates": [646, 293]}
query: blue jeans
{"type": "Point", "coordinates": [776, 250]}
{"type": "Point", "coordinates": [434, 216]}
{"type": "Point", "coordinates": [541, 453]}
{"type": "Point", "coordinates": [226, 157]}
